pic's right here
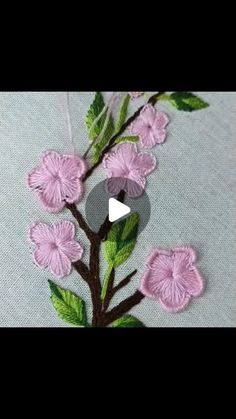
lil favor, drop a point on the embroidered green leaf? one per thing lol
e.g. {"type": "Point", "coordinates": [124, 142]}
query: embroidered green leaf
{"type": "Point", "coordinates": [69, 306]}
{"type": "Point", "coordinates": [130, 138]}
{"type": "Point", "coordinates": [106, 282]}
{"type": "Point", "coordinates": [121, 240]}
{"type": "Point", "coordinates": [185, 101]}
{"type": "Point", "coordinates": [127, 321]}
{"type": "Point", "coordinates": [93, 112]}
{"type": "Point", "coordinates": [123, 112]}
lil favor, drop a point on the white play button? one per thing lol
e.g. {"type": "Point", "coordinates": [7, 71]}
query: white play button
{"type": "Point", "coordinates": [117, 210]}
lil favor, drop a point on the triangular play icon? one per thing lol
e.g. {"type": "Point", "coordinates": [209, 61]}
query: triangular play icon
{"type": "Point", "coordinates": [117, 210]}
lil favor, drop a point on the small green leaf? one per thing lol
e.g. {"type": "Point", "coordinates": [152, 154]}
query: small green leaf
{"type": "Point", "coordinates": [130, 138]}
{"type": "Point", "coordinates": [69, 306]}
{"type": "Point", "coordinates": [186, 101]}
{"type": "Point", "coordinates": [93, 112]}
{"type": "Point", "coordinates": [106, 282]}
{"type": "Point", "coordinates": [127, 321]}
{"type": "Point", "coordinates": [123, 112]}
{"type": "Point", "coordinates": [121, 240]}
{"type": "Point", "coordinates": [109, 130]}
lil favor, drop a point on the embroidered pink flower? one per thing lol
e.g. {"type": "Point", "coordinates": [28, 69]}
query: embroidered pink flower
{"type": "Point", "coordinates": [57, 180]}
{"type": "Point", "coordinates": [126, 169]}
{"type": "Point", "coordinates": [172, 278]}
{"type": "Point", "coordinates": [150, 126]}
{"type": "Point", "coordinates": [56, 247]}
{"type": "Point", "coordinates": [135, 95]}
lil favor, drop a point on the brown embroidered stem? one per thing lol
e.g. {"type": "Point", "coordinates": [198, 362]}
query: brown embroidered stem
{"type": "Point", "coordinates": [152, 100]}
{"type": "Point", "coordinates": [81, 221]}
{"type": "Point", "coordinates": [83, 270]}
{"type": "Point", "coordinates": [106, 226]}
{"type": "Point", "coordinates": [95, 286]}
{"type": "Point", "coordinates": [121, 309]}
{"type": "Point", "coordinates": [112, 291]}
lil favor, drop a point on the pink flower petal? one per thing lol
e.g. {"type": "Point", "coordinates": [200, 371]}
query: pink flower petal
{"type": "Point", "coordinates": [174, 298]}
{"type": "Point", "coordinates": [161, 120]}
{"type": "Point", "coordinates": [42, 255]}
{"type": "Point", "coordinates": [72, 250]}
{"type": "Point", "coordinates": [60, 264]}
{"type": "Point", "coordinates": [38, 178]}
{"type": "Point", "coordinates": [52, 161]}
{"type": "Point", "coordinates": [63, 231]}
{"type": "Point", "coordinates": [51, 197]}
{"type": "Point", "coordinates": [146, 163]}
{"type": "Point", "coordinates": [152, 283]}
{"type": "Point", "coordinates": [40, 233]}
{"type": "Point", "coordinates": [113, 166]}
{"type": "Point", "coordinates": [72, 190]}
{"type": "Point", "coordinates": [183, 257]}
{"type": "Point", "coordinates": [135, 185]}
{"type": "Point", "coordinates": [72, 166]}
{"type": "Point", "coordinates": [115, 185]}
{"type": "Point", "coordinates": [192, 282]}
{"type": "Point", "coordinates": [126, 152]}
{"type": "Point", "coordinates": [148, 114]}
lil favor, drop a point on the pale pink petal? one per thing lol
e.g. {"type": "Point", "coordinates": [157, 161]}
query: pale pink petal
{"type": "Point", "coordinates": [161, 120]}
{"type": "Point", "coordinates": [145, 162]}
{"type": "Point", "coordinates": [72, 250]}
{"type": "Point", "coordinates": [135, 185]}
{"type": "Point", "coordinates": [72, 166]}
{"type": "Point", "coordinates": [49, 206]}
{"type": "Point", "coordinates": [51, 197]}
{"type": "Point", "coordinates": [115, 185]}
{"type": "Point", "coordinates": [52, 161]}
{"type": "Point", "coordinates": [63, 231]}
{"type": "Point", "coordinates": [183, 258]}
{"type": "Point", "coordinates": [192, 281]}
{"type": "Point", "coordinates": [148, 139]}
{"type": "Point", "coordinates": [38, 178]}
{"type": "Point", "coordinates": [137, 126]}
{"type": "Point", "coordinates": [162, 261]}
{"type": "Point", "coordinates": [148, 114]}
{"type": "Point", "coordinates": [42, 255]}
{"type": "Point", "coordinates": [152, 284]}
{"type": "Point", "coordinates": [189, 252]}
{"type": "Point", "coordinates": [40, 233]}
{"type": "Point", "coordinates": [159, 135]}
{"type": "Point", "coordinates": [113, 166]}
{"type": "Point", "coordinates": [60, 265]}
{"type": "Point", "coordinates": [72, 190]}
{"type": "Point", "coordinates": [174, 298]}
{"type": "Point", "coordinates": [126, 153]}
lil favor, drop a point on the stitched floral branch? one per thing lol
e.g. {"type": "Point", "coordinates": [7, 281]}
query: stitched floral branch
{"type": "Point", "coordinates": [170, 276]}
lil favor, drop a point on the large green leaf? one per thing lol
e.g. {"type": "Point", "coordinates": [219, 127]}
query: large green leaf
{"type": "Point", "coordinates": [93, 112]}
{"type": "Point", "coordinates": [121, 240]}
{"type": "Point", "coordinates": [123, 112]}
{"type": "Point", "coordinates": [104, 126]}
{"type": "Point", "coordinates": [108, 132]}
{"type": "Point", "coordinates": [185, 101]}
{"type": "Point", "coordinates": [69, 306]}
{"type": "Point", "coordinates": [127, 321]}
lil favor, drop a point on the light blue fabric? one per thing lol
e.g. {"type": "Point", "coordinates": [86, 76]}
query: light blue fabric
{"type": "Point", "coordinates": [192, 196]}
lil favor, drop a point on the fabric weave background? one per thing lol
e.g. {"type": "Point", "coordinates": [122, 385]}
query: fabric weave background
{"type": "Point", "coordinates": [192, 195]}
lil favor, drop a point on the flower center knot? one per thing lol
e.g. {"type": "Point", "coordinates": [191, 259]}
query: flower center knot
{"type": "Point", "coordinates": [53, 246]}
